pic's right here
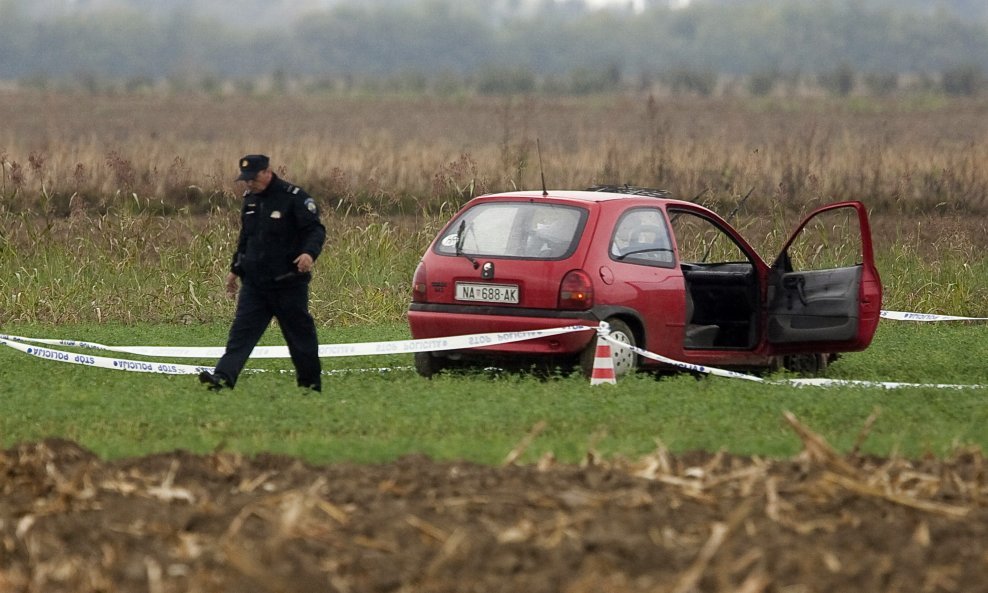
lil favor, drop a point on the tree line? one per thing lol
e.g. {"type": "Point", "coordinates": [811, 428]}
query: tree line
{"type": "Point", "coordinates": [436, 44]}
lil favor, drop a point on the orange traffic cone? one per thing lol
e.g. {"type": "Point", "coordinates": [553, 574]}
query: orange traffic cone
{"type": "Point", "coordinates": [603, 365]}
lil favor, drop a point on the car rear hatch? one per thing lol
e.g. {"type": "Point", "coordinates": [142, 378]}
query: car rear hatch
{"type": "Point", "coordinates": [507, 257]}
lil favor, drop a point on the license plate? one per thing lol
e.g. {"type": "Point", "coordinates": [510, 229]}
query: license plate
{"type": "Point", "coordinates": [487, 293]}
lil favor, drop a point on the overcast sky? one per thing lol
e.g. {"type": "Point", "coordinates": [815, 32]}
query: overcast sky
{"type": "Point", "coordinates": [638, 4]}
{"type": "Point", "coordinates": [596, 3]}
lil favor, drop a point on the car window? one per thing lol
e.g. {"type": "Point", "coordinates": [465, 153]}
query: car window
{"type": "Point", "coordinates": [641, 236]}
{"type": "Point", "coordinates": [831, 239]}
{"type": "Point", "coordinates": [531, 230]}
{"type": "Point", "coordinates": [701, 241]}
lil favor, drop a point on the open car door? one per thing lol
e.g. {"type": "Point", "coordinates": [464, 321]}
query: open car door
{"type": "Point", "coordinates": [824, 292]}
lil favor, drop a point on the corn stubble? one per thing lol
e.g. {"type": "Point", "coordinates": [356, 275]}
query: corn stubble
{"type": "Point", "coordinates": [819, 521]}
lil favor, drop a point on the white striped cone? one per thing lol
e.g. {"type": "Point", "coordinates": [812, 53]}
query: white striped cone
{"type": "Point", "coordinates": [603, 365]}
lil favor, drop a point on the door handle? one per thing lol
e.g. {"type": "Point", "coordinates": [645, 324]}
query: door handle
{"type": "Point", "coordinates": [795, 284]}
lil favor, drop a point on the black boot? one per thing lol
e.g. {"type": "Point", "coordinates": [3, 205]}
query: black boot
{"type": "Point", "coordinates": [213, 382]}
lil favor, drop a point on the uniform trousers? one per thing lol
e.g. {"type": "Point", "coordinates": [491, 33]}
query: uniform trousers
{"type": "Point", "coordinates": [289, 304]}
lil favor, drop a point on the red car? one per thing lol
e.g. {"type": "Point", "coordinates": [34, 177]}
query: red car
{"type": "Point", "coordinates": [669, 276]}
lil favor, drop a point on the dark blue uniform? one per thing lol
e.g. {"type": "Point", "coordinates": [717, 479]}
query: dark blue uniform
{"type": "Point", "coordinates": [277, 225]}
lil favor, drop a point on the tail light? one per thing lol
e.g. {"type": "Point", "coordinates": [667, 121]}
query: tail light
{"type": "Point", "coordinates": [419, 284]}
{"type": "Point", "coordinates": [576, 291]}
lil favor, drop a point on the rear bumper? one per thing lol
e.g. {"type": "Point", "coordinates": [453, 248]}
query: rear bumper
{"type": "Point", "coordinates": [436, 321]}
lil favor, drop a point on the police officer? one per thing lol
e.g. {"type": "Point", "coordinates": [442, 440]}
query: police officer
{"type": "Point", "coordinates": [280, 238]}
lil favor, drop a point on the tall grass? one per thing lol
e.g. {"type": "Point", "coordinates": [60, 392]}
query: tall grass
{"type": "Point", "coordinates": [169, 153]}
{"type": "Point", "coordinates": [128, 268]}
{"type": "Point", "coordinates": [123, 208]}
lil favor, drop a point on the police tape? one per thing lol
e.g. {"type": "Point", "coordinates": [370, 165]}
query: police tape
{"type": "Point", "coordinates": [822, 382]}
{"type": "Point", "coordinates": [325, 350]}
{"type": "Point", "coordinates": [355, 349]}
{"type": "Point", "coordinates": [906, 316]}
{"type": "Point", "coordinates": [795, 382]}
{"type": "Point", "coordinates": [425, 345]}
{"type": "Point", "coordinates": [391, 347]}
{"type": "Point", "coordinates": [104, 362]}
{"type": "Point", "coordinates": [140, 366]}
{"type": "Point", "coordinates": [696, 368]}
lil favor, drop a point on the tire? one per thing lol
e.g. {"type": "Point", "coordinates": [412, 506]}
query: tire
{"type": "Point", "coordinates": [427, 364]}
{"type": "Point", "coordinates": [625, 361]}
{"type": "Point", "coordinates": [807, 364]}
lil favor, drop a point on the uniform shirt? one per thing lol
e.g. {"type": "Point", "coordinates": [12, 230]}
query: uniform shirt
{"type": "Point", "coordinates": [277, 225]}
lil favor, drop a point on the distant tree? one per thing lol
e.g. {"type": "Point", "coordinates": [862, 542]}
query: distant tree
{"type": "Point", "coordinates": [965, 80]}
{"type": "Point", "coordinates": [688, 80]}
{"type": "Point", "coordinates": [762, 82]}
{"type": "Point", "coordinates": [882, 83]}
{"type": "Point", "coordinates": [494, 80]}
{"type": "Point", "coordinates": [569, 45]}
{"type": "Point", "coordinates": [839, 81]}
{"type": "Point", "coordinates": [584, 81]}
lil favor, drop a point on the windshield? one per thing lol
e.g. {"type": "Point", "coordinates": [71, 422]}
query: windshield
{"type": "Point", "coordinates": [526, 230]}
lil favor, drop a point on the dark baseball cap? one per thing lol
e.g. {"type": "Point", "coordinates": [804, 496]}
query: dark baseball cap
{"type": "Point", "coordinates": [251, 165]}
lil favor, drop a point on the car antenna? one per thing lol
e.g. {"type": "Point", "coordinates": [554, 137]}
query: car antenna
{"type": "Point", "coordinates": [538, 148]}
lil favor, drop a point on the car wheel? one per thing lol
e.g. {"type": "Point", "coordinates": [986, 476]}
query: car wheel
{"type": "Point", "coordinates": [427, 364]}
{"type": "Point", "coordinates": [625, 361]}
{"type": "Point", "coordinates": [806, 364]}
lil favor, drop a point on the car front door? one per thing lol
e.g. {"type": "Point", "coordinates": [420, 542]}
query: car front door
{"type": "Point", "coordinates": [824, 292]}
{"type": "Point", "coordinates": [723, 285]}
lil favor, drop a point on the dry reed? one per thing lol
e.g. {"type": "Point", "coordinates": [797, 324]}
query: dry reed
{"type": "Point", "coordinates": [394, 155]}
{"type": "Point", "coordinates": [84, 180]}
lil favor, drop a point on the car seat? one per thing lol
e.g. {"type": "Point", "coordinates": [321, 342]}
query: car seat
{"type": "Point", "coordinates": [697, 336]}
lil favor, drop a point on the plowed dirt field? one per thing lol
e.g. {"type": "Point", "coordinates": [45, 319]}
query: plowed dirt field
{"type": "Point", "coordinates": [179, 522]}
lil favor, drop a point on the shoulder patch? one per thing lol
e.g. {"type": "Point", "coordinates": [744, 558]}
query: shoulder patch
{"type": "Point", "coordinates": [311, 205]}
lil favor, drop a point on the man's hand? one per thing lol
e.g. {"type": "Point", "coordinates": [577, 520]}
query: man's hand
{"type": "Point", "coordinates": [304, 263]}
{"type": "Point", "coordinates": [232, 285]}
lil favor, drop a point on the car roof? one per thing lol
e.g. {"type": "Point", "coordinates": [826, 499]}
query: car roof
{"type": "Point", "coordinates": [580, 196]}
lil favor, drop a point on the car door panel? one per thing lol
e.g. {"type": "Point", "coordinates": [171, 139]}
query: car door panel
{"type": "Point", "coordinates": [834, 309]}
{"type": "Point", "coordinates": [815, 306]}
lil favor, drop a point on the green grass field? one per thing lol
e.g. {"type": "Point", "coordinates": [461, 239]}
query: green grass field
{"type": "Point", "coordinates": [113, 232]}
{"type": "Point", "coordinates": [375, 416]}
